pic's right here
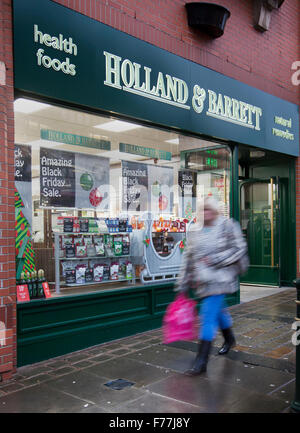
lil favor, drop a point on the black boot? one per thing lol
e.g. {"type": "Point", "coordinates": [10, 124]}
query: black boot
{"type": "Point", "coordinates": [229, 341]}
{"type": "Point", "coordinates": [201, 360]}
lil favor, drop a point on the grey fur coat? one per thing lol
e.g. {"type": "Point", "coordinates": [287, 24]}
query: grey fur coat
{"type": "Point", "coordinates": [213, 259]}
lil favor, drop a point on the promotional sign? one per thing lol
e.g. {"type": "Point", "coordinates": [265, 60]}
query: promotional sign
{"type": "Point", "coordinates": [160, 189]}
{"type": "Point", "coordinates": [187, 181]}
{"type": "Point", "coordinates": [46, 290]}
{"type": "Point", "coordinates": [57, 178]}
{"type": "Point", "coordinates": [22, 293]}
{"type": "Point", "coordinates": [57, 50]}
{"type": "Point", "coordinates": [147, 187]}
{"type": "Point", "coordinates": [91, 182]}
{"type": "Point", "coordinates": [74, 180]}
{"type": "Point", "coordinates": [134, 186]}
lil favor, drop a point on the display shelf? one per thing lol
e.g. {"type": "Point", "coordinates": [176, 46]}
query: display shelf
{"type": "Point", "coordinates": [90, 233]}
{"type": "Point", "coordinates": [59, 260]}
{"type": "Point", "coordinates": [93, 257]}
{"type": "Point", "coordinates": [98, 282]}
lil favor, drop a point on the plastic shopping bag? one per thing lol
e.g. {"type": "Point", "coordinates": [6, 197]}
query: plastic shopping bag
{"type": "Point", "coordinates": [180, 321]}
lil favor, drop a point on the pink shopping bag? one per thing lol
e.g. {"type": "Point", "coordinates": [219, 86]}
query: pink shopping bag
{"type": "Point", "coordinates": [180, 321]}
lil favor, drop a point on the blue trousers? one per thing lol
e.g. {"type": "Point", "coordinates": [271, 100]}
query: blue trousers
{"type": "Point", "coordinates": [213, 315]}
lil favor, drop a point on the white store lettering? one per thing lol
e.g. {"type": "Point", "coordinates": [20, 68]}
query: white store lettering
{"type": "Point", "coordinates": [123, 74]}
{"type": "Point", "coordinates": [58, 43]}
{"type": "Point", "coordinates": [131, 77]}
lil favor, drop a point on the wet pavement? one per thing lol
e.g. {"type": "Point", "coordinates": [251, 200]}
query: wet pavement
{"type": "Point", "coordinates": [257, 376]}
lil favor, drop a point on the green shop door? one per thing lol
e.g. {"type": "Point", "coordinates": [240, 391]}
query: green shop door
{"type": "Point", "coordinates": [260, 222]}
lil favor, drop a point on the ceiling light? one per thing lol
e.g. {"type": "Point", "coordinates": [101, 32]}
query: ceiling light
{"type": "Point", "coordinates": [173, 141]}
{"type": "Point", "coordinates": [117, 126]}
{"type": "Point", "coordinates": [28, 106]}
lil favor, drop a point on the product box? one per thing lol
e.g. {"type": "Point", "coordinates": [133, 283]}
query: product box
{"type": "Point", "coordinates": [70, 276]}
{"type": "Point", "coordinates": [126, 245]}
{"type": "Point", "coordinates": [118, 246]}
{"type": "Point", "coordinates": [84, 225]}
{"type": "Point", "coordinates": [100, 250]}
{"type": "Point", "coordinates": [80, 273]}
{"type": "Point", "coordinates": [114, 271]}
{"type": "Point", "coordinates": [98, 272]}
{"type": "Point", "coordinates": [89, 275]}
{"type": "Point", "coordinates": [68, 225]}
{"type": "Point", "coordinates": [81, 250]}
{"type": "Point", "coordinates": [93, 225]}
{"type": "Point", "coordinates": [106, 272]}
{"type": "Point", "coordinates": [70, 251]}
{"type": "Point", "coordinates": [123, 225]}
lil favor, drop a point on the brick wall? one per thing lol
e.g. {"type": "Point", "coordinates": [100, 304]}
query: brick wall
{"type": "Point", "coordinates": [7, 209]}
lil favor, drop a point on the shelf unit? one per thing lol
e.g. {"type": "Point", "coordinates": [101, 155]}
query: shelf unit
{"type": "Point", "coordinates": [59, 259]}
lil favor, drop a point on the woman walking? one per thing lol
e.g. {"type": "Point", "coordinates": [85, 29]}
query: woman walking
{"type": "Point", "coordinates": [215, 255]}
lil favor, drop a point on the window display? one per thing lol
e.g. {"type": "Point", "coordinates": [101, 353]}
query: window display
{"type": "Point", "coordinates": [102, 203]}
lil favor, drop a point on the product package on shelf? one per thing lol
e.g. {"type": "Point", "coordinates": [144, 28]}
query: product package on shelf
{"type": "Point", "coordinates": [129, 271]}
{"type": "Point", "coordinates": [100, 250]}
{"type": "Point", "coordinates": [81, 250]}
{"type": "Point", "coordinates": [126, 245]}
{"type": "Point", "coordinates": [68, 225]}
{"type": "Point", "coordinates": [118, 246]}
{"type": "Point", "coordinates": [123, 223]}
{"type": "Point", "coordinates": [98, 271]}
{"type": "Point", "coordinates": [70, 276]}
{"type": "Point", "coordinates": [99, 245]}
{"type": "Point", "coordinates": [114, 271]}
{"type": "Point", "coordinates": [89, 275]}
{"type": "Point", "coordinates": [88, 240]}
{"type": "Point", "coordinates": [84, 225]}
{"type": "Point", "coordinates": [91, 250]}
{"type": "Point", "coordinates": [80, 273]}
{"type": "Point", "coordinates": [78, 240]}
{"type": "Point", "coordinates": [70, 251]}
{"type": "Point", "coordinates": [109, 243]}
{"type": "Point", "coordinates": [106, 272]}
{"type": "Point", "coordinates": [67, 266]}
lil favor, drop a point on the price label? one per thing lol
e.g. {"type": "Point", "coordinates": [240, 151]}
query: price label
{"type": "Point", "coordinates": [46, 290]}
{"type": "Point", "coordinates": [22, 293]}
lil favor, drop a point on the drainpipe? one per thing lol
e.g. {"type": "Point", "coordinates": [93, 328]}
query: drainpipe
{"type": "Point", "coordinates": [295, 406]}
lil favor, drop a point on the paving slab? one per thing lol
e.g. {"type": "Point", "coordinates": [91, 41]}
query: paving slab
{"type": "Point", "coordinates": [142, 373]}
{"type": "Point", "coordinates": [40, 399]}
{"type": "Point", "coordinates": [154, 403]}
{"type": "Point", "coordinates": [210, 395]}
{"type": "Point", "coordinates": [91, 389]}
{"type": "Point", "coordinates": [166, 357]}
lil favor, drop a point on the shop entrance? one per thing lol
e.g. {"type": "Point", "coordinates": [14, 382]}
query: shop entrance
{"type": "Point", "coordinates": [267, 216]}
{"type": "Point", "coordinates": [260, 219]}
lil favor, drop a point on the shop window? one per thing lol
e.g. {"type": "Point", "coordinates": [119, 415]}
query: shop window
{"type": "Point", "coordinates": [103, 203]}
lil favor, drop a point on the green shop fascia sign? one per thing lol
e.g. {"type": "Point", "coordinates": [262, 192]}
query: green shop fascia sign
{"type": "Point", "coordinates": [66, 56]}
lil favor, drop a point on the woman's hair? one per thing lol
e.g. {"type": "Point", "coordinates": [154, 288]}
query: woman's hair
{"type": "Point", "coordinates": [211, 203]}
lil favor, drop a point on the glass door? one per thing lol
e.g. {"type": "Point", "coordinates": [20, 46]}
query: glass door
{"type": "Point", "coordinates": [259, 218]}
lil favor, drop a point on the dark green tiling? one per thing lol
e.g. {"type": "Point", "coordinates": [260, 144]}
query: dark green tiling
{"type": "Point", "coordinates": [57, 326]}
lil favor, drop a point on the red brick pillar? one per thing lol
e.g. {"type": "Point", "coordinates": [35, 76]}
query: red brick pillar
{"type": "Point", "coordinates": [7, 210]}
